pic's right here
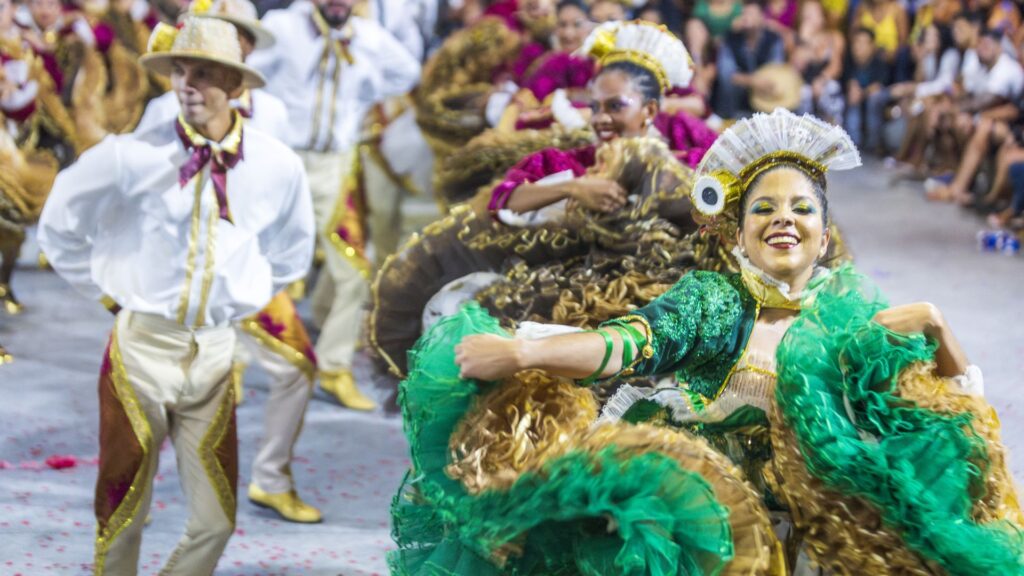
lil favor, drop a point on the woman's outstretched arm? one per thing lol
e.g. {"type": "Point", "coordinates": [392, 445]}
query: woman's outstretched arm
{"type": "Point", "coordinates": [579, 355]}
{"type": "Point", "coordinates": [926, 318]}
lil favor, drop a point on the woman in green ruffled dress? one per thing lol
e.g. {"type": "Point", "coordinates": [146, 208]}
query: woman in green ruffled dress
{"type": "Point", "coordinates": [860, 428]}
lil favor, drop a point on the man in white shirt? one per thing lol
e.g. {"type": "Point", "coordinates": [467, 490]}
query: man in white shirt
{"type": "Point", "coordinates": [185, 229]}
{"type": "Point", "coordinates": [330, 68]}
{"type": "Point", "coordinates": [275, 337]}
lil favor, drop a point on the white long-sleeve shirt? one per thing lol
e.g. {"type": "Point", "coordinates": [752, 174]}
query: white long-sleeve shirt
{"type": "Point", "coordinates": [118, 223]}
{"type": "Point", "coordinates": [268, 113]}
{"type": "Point", "coordinates": [302, 74]}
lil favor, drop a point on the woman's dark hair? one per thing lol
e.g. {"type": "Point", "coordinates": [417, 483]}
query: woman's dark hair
{"type": "Point", "coordinates": [578, 4]}
{"type": "Point", "coordinates": [643, 79]}
{"type": "Point", "coordinates": [817, 184]}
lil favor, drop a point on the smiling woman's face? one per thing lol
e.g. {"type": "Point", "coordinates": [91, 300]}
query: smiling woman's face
{"type": "Point", "coordinates": [783, 230]}
{"type": "Point", "coordinates": [618, 109]}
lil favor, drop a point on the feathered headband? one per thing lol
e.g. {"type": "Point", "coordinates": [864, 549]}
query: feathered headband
{"type": "Point", "coordinates": [650, 46]}
{"type": "Point", "coordinates": [752, 146]}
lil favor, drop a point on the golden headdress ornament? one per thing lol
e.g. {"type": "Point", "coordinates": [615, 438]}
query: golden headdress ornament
{"type": "Point", "coordinates": [754, 145]}
{"type": "Point", "coordinates": [650, 46]}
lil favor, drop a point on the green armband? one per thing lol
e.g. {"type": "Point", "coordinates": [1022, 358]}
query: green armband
{"type": "Point", "coordinates": [609, 345]}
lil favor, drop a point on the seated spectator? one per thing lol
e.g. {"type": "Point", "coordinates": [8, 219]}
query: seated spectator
{"type": "Point", "coordinates": [866, 77]}
{"type": "Point", "coordinates": [887, 21]}
{"type": "Point", "coordinates": [602, 11]}
{"type": "Point", "coordinates": [929, 125]}
{"type": "Point", "coordinates": [781, 18]}
{"type": "Point", "coordinates": [818, 55]}
{"type": "Point", "coordinates": [1012, 216]}
{"type": "Point", "coordinates": [710, 22]}
{"type": "Point", "coordinates": [650, 12]}
{"type": "Point", "coordinates": [937, 62]}
{"type": "Point", "coordinates": [745, 49]}
{"type": "Point", "coordinates": [993, 83]}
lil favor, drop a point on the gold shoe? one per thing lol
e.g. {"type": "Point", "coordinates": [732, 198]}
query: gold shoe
{"type": "Point", "coordinates": [342, 385]}
{"type": "Point", "coordinates": [237, 378]}
{"type": "Point", "coordinates": [296, 290]}
{"type": "Point", "coordinates": [5, 358]}
{"type": "Point", "coordinates": [287, 504]}
{"type": "Point", "coordinates": [11, 304]}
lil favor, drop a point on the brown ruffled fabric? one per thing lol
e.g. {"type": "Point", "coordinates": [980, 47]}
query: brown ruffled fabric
{"type": "Point", "coordinates": [456, 82]}
{"type": "Point", "coordinates": [488, 156]}
{"type": "Point", "coordinates": [516, 427]}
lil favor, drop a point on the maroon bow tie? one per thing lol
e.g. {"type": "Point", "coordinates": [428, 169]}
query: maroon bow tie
{"type": "Point", "coordinates": [223, 161]}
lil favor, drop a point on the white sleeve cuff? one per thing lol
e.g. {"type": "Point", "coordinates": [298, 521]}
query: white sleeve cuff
{"type": "Point", "coordinates": [971, 381]}
{"type": "Point", "coordinates": [536, 330]}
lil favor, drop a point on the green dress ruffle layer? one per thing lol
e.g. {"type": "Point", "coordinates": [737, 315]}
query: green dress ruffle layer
{"type": "Point", "coordinates": [589, 513]}
{"type": "Point", "coordinates": [923, 470]}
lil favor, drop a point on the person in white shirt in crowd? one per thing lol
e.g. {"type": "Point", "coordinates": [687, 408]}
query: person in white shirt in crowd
{"type": "Point", "coordinates": [182, 230]}
{"type": "Point", "coordinates": [397, 161]}
{"type": "Point", "coordinates": [330, 68]}
{"type": "Point", "coordinates": [993, 82]}
{"type": "Point", "coordinates": [275, 338]}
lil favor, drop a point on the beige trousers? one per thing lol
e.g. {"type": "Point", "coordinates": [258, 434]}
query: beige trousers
{"type": "Point", "coordinates": [341, 292]}
{"type": "Point", "coordinates": [167, 380]}
{"type": "Point", "coordinates": [384, 197]}
{"type": "Point", "coordinates": [290, 391]}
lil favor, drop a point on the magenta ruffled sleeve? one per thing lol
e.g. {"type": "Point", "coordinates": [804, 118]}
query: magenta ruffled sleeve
{"type": "Point", "coordinates": [559, 71]}
{"type": "Point", "coordinates": [688, 137]}
{"type": "Point", "coordinates": [538, 165]}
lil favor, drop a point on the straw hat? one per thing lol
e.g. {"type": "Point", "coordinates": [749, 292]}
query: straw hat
{"type": "Point", "coordinates": [788, 84]}
{"type": "Point", "coordinates": [208, 39]}
{"type": "Point", "coordinates": [241, 13]}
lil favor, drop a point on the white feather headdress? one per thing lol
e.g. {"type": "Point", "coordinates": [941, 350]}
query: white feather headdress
{"type": "Point", "coordinates": [754, 145]}
{"type": "Point", "coordinates": [648, 45]}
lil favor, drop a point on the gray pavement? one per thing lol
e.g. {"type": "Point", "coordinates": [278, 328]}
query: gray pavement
{"type": "Point", "coordinates": [349, 464]}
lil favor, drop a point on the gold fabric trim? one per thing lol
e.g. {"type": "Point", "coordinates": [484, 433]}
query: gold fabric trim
{"type": "Point", "coordinates": [782, 157]}
{"type": "Point", "coordinates": [218, 478]}
{"type": "Point", "coordinates": [643, 60]}
{"type": "Point", "coordinates": [127, 510]}
{"type": "Point", "coordinates": [735, 366]}
{"type": "Point", "coordinates": [766, 295]}
{"type": "Point", "coordinates": [208, 265]}
{"type": "Point", "coordinates": [293, 356]}
{"type": "Point", "coordinates": [350, 253]}
{"type": "Point", "coordinates": [231, 141]}
{"type": "Point", "coordinates": [193, 247]}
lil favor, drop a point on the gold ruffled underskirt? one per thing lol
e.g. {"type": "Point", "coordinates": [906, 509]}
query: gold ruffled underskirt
{"type": "Point", "coordinates": [844, 534]}
{"type": "Point", "coordinates": [533, 418]}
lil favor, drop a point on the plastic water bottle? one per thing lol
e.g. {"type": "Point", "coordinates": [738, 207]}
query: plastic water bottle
{"type": "Point", "coordinates": [989, 240]}
{"type": "Point", "coordinates": [1011, 245]}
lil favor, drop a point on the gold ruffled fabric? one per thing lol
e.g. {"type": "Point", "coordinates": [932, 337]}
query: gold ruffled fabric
{"type": "Point", "coordinates": [842, 534]}
{"type": "Point", "coordinates": [516, 427]}
{"type": "Point", "coordinates": [533, 418]}
{"type": "Point", "coordinates": [919, 384]}
{"type": "Point", "coordinates": [845, 534]}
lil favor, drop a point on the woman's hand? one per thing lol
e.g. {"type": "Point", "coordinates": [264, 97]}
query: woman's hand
{"type": "Point", "coordinates": [488, 357]}
{"type": "Point", "coordinates": [598, 194]}
{"type": "Point", "coordinates": [921, 317]}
